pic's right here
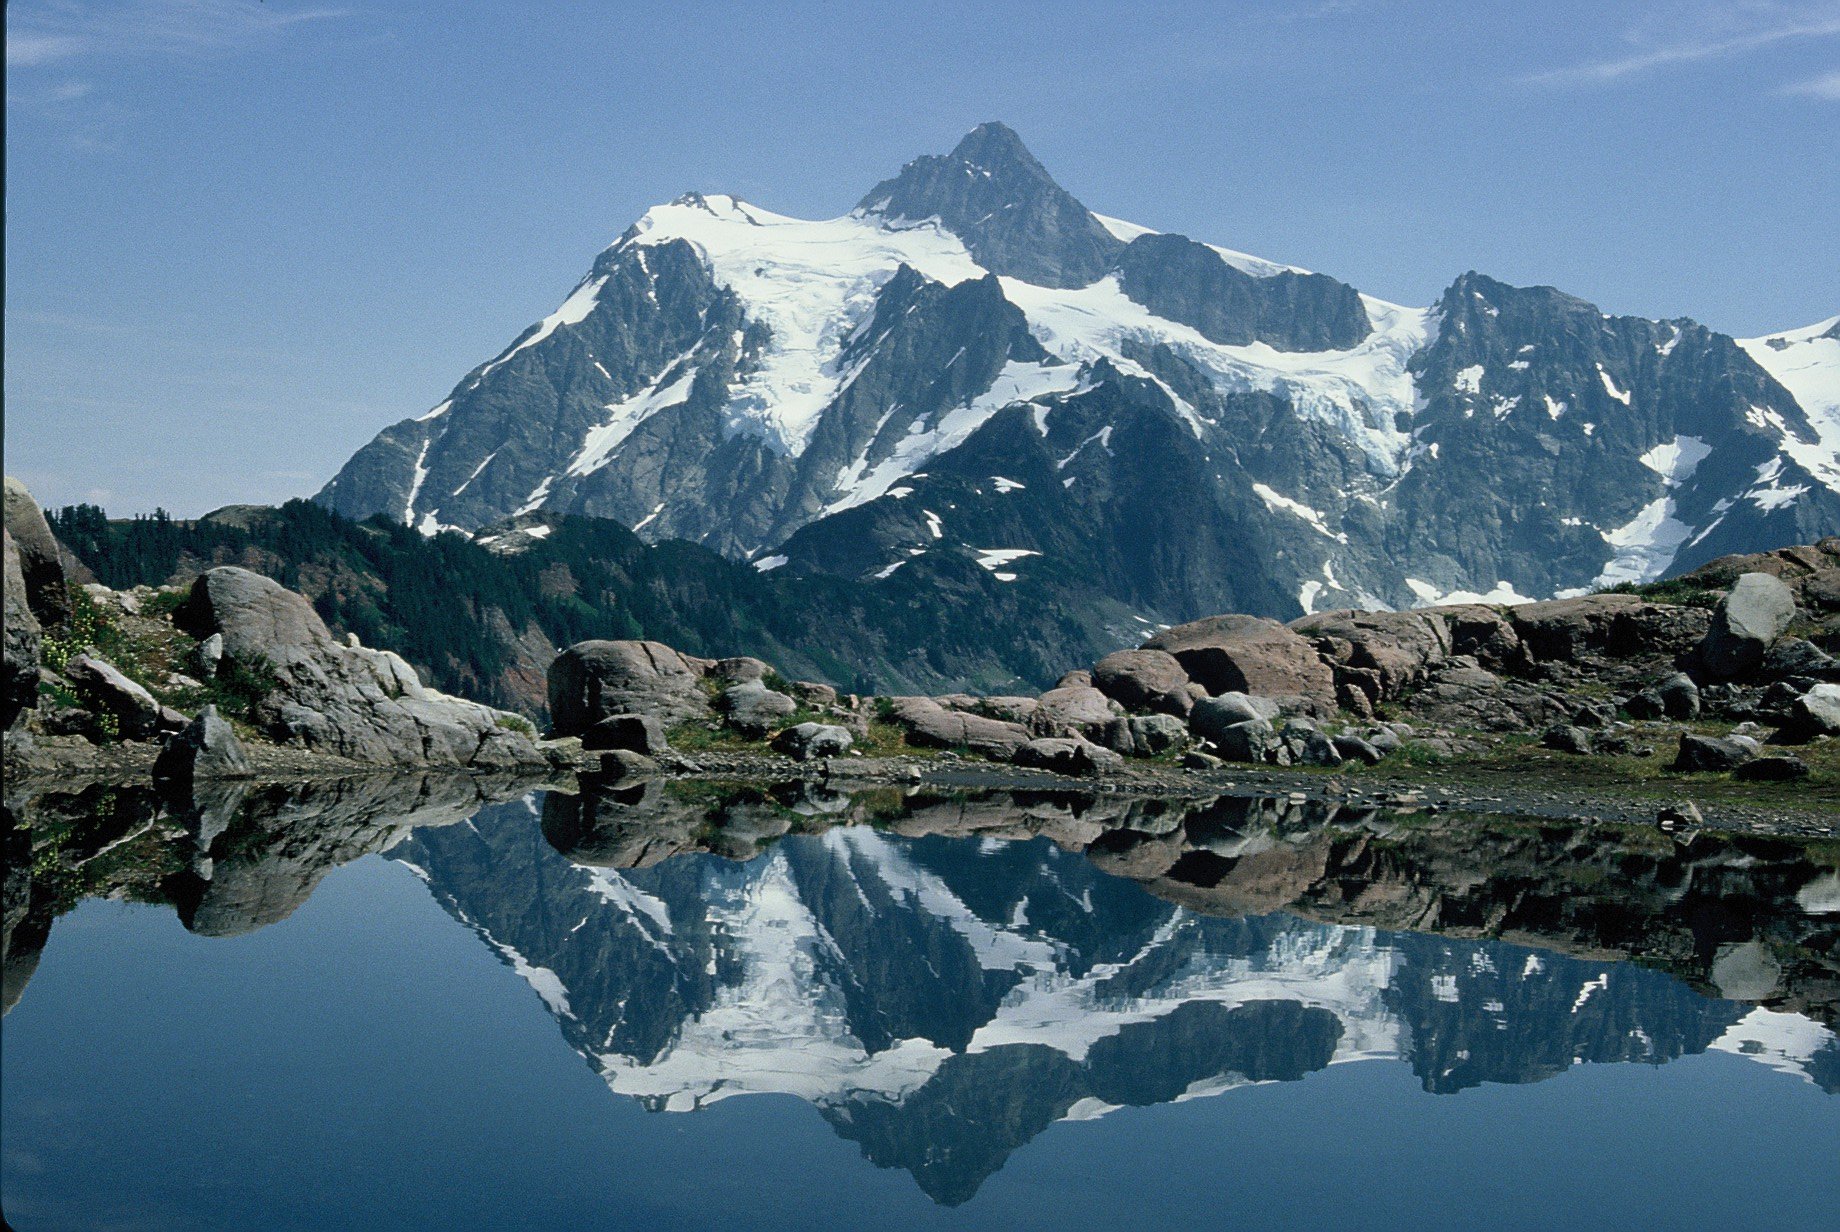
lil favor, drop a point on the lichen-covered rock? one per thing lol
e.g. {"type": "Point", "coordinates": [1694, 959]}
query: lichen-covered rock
{"type": "Point", "coordinates": [592, 680]}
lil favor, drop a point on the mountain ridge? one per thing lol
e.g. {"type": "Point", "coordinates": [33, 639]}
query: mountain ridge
{"type": "Point", "coordinates": [754, 382]}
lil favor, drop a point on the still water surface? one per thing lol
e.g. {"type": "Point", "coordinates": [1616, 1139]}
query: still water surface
{"type": "Point", "coordinates": [648, 1009]}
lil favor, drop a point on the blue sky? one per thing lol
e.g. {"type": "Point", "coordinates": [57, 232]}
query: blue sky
{"type": "Point", "coordinates": [243, 236]}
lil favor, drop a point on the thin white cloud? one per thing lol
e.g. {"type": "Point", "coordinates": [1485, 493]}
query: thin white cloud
{"type": "Point", "coordinates": [42, 32]}
{"type": "Point", "coordinates": [1705, 33]}
{"type": "Point", "coordinates": [1826, 86]}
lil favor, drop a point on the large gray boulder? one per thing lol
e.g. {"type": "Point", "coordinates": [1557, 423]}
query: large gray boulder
{"type": "Point", "coordinates": [20, 684]}
{"type": "Point", "coordinates": [1756, 611]}
{"type": "Point", "coordinates": [1066, 755]}
{"type": "Point", "coordinates": [593, 680]}
{"type": "Point", "coordinates": [1702, 754]}
{"type": "Point", "coordinates": [1252, 741]}
{"type": "Point", "coordinates": [753, 709]}
{"type": "Point", "coordinates": [41, 557]}
{"type": "Point", "coordinates": [1249, 654]}
{"type": "Point", "coordinates": [804, 741]}
{"type": "Point", "coordinates": [106, 690]}
{"type": "Point", "coordinates": [1144, 680]}
{"type": "Point", "coordinates": [1213, 715]}
{"type": "Point", "coordinates": [207, 748]}
{"type": "Point", "coordinates": [362, 704]}
{"type": "Point", "coordinates": [1816, 712]}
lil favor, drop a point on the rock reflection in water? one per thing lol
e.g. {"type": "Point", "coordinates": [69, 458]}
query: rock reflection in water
{"type": "Point", "coordinates": [945, 983]}
{"type": "Point", "coordinates": [944, 976]}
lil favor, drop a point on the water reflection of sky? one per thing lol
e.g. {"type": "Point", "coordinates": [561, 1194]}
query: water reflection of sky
{"type": "Point", "coordinates": [1033, 1042]}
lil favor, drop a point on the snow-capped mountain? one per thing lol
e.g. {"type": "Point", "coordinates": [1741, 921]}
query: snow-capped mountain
{"type": "Point", "coordinates": [972, 363]}
{"type": "Point", "coordinates": [942, 1000]}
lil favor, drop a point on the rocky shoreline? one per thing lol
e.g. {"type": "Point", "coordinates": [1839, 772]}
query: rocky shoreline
{"type": "Point", "coordinates": [1712, 698]}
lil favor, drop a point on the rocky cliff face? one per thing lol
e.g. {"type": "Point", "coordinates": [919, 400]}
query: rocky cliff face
{"type": "Point", "coordinates": [973, 363]}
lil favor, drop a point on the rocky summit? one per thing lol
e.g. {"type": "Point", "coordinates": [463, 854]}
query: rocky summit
{"type": "Point", "coordinates": [972, 366]}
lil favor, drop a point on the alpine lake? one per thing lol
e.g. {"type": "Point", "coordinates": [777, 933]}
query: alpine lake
{"type": "Point", "coordinates": [420, 1002]}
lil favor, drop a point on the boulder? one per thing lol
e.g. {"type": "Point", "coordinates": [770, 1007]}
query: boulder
{"type": "Point", "coordinates": [1214, 714]}
{"type": "Point", "coordinates": [209, 654]}
{"type": "Point", "coordinates": [592, 680]}
{"type": "Point", "coordinates": [1679, 697]}
{"type": "Point", "coordinates": [1194, 759]}
{"type": "Point", "coordinates": [637, 733]}
{"type": "Point", "coordinates": [929, 725]}
{"type": "Point", "coordinates": [753, 709]}
{"type": "Point", "coordinates": [1144, 680]}
{"type": "Point", "coordinates": [23, 636]}
{"type": "Point", "coordinates": [1567, 738]}
{"type": "Point", "coordinates": [1316, 749]}
{"type": "Point", "coordinates": [616, 764]}
{"type": "Point", "coordinates": [1645, 704]}
{"type": "Point", "coordinates": [805, 741]}
{"type": "Point", "coordinates": [738, 670]}
{"type": "Point", "coordinates": [1595, 714]}
{"type": "Point", "coordinates": [1796, 658]}
{"type": "Point", "coordinates": [1816, 712]}
{"type": "Point", "coordinates": [106, 690]}
{"type": "Point", "coordinates": [1756, 611]}
{"type": "Point", "coordinates": [1072, 709]}
{"type": "Point", "coordinates": [1782, 769]}
{"type": "Point", "coordinates": [1074, 679]}
{"type": "Point", "coordinates": [41, 557]}
{"type": "Point", "coordinates": [1380, 654]}
{"type": "Point", "coordinates": [1249, 654]}
{"type": "Point", "coordinates": [1353, 748]}
{"type": "Point", "coordinates": [1064, 755]}
{"type": "Point", "coordinates": [206, 748]}
{"type": "Point", "coordinates": [1253, 741]}
{"type": "Point", "coordinates": [1154, 734]}
{"type": "Point", "coordinates": [1711, 754]}
{"type": "Point", "coordinates": [362, 704]}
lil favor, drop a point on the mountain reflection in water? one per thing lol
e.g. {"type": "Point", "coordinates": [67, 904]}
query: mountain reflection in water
{"type": "Point", "coordinates": [945, 976]}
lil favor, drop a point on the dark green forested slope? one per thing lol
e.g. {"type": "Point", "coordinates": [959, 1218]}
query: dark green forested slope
{"type": "Point", "coordinates": [484, 623]}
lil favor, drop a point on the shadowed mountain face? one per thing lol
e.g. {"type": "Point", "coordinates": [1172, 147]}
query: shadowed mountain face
{"type": "Point", "coordinates": [973, 362]}
{"type": "Point", "coordinates": [944, 977]}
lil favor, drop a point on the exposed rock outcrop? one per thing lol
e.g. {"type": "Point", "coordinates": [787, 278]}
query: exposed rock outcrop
{"type": "Point", "coordinates": [1251, 655]}
{"type": "Point", "coordinates": [365, 705]}
{"type": "Point", "coordinates": [591, 681]}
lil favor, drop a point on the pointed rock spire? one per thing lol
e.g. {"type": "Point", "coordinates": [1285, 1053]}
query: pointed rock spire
{"type": "Point", "coordinates": [993, 194]}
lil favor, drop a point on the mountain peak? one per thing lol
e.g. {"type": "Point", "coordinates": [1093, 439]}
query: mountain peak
{"type": "Point", "coordinates": [996, 197]}
{"type": "Point", "coordinates": [995, 143]}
